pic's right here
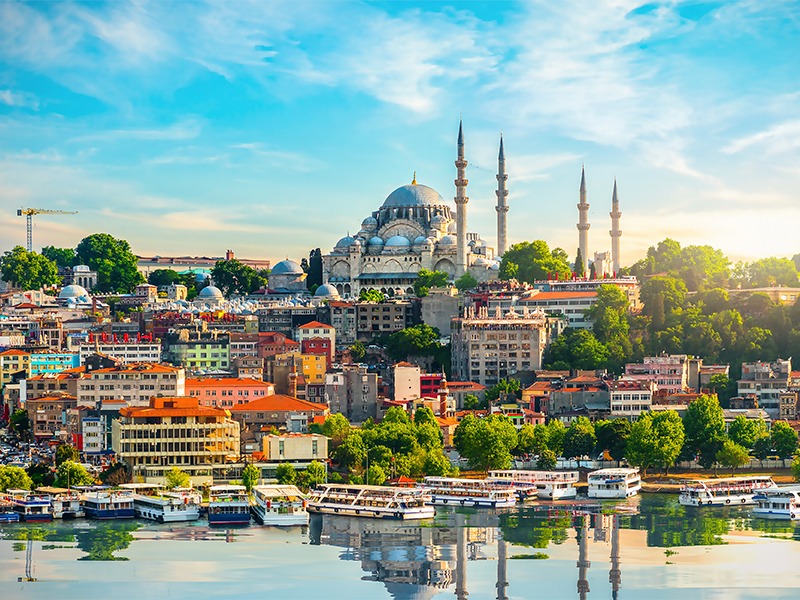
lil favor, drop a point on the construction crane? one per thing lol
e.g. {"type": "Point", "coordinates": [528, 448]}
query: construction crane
{"type": "Point", "coordinates": [29, 212]}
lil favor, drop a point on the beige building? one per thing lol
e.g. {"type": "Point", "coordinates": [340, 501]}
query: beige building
{"type": "Point", "coordinates": [629, 399]}
{"type": "Point", "coordinates": [134, 383]}
{"type": "Point", "coordinates": [406, 382]}
{"type": "Point", "coordinates": [295, 447]}
{"type": "Point", "coordinates": [48, 416]}
{"type": "Point", "coordinates": [439, 307]}
{"type": "Point", "coordinates": [175, 432]}
{"type": "Point", "coordinates": [489, 347]}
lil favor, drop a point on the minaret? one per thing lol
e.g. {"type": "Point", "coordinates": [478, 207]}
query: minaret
{"type": "Point", "coordinates": [461, 558]}
{"type": "Point", "coordinates": [502, 569]}
{"type": "Point", "coordinates": [461, 206]}
{"type": "Point", "coordinates": [615, 574]}
{"type": "Point", "coordinates": [502, 207]}
{"type": "Point", "coordinates": [615, 232]}
{"type": "Point", "coordinates": [583, 559]}
{"type": "Point", "coordinates": [583, 224]}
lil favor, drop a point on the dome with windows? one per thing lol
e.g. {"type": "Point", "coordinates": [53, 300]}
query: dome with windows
{"type": "Point", "coordinates": [448, 240]}
{"type": "Point", "coordinates": [287, 267]}
{"type": "Point", "coordinates": [73, 291]}
{"type": "Point", "coordinates": [414, 194]}
{"type": "Point", "coordinates": [210, 292]}
{"type": "Point", "coordinates": [326, 291]}
{"type": "Point", "coordinates": [397, 241]}
{"type": "Point", "coordinates": [345, 242]}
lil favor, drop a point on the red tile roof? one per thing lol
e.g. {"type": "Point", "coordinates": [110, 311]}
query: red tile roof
{"type": "Point", "coordinates": [279, 402]}
{"type": "Point", "coordinates": [14, 352]}
{"type": "Point", "coordinates": [557, 296]}
{"type": "Point", "coordinates": [315, 325]}
{"type": "Point", "coordinates": [224, 382]}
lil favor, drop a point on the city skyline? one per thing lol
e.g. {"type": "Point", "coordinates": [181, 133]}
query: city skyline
{"type": "Point", "coordinates": [191, 128]}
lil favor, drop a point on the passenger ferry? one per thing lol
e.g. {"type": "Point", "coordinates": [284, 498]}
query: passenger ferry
{"type": "Point", "coordinates": [614, 483]}
{"type": "Point", "coordinates": [725, 491]}
{"type": "Point", "coordinates": [282, 505]}
{"type": "Point", "coordinates": [780, 502]}
{"type": "Point", "coordinates": [103, 503]}
{"type": "Point", "coordinates": [7, 512]}
{"type": "Point", "coordinates": [545, 485]}
{"type": "Point", "coordinates": [65, 503]}
{"type": "Point", "coordinates": [469, 492]}
{"type": "Point", "coordinates": [374, 501]}
{"type": "Point", "coordinates": [31, 506]}
{"type": "Point", "coordinates": [228, 505]}
{"type": "Point", "coordinates": [151, 501]}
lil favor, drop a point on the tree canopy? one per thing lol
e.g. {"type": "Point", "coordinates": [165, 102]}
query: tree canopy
{"type": "Point", "coordinates": [655, 440]}
{"type": "Point", "coordinates": [234, 277]}
{"type": "Point", "coordinates": [704, 425]}
{"type": "Point", "coordinates": [28, 270]}
{"type": "Point", "coordinates": [250, 476]}
{"type": "Point", "coordinates": [63, 257]}
{"type": "Point", "coordinates": [531, 261]}
{"type": "Point", "coordinates": [575, 349]}
{"type": "Point", "coordinates": [14, 478]}
{"type": "Point", "coordinates": [466, 282]}
{"type": "Point", "coordinates": [113, 260]}
{"type": "Point", "coordinates": [418, 340]}
{"type": "Point", "coordinates": [426, 279]}
{"type": "Point", "coordinates": [176, 478]}
{"type": "Point", "coordinates": [371, 296]}
{"type": "Point", "coordinates": [70, 474]}
{"type": "Point", "coordinates": [486, 443]}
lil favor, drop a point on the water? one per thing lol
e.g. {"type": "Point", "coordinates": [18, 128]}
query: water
{"type": "Point", "coordinates": [647, 548]}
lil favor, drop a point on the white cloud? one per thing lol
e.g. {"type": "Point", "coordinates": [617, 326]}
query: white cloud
{"type": "Point", "coordinates": [778, 139]}
{"type": "Point", "coordinates": [19, 99]}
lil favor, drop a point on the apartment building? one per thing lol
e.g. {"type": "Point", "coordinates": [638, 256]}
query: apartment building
{"type": "Point", "coordinates": [225, 392]}
{"type": "Point", "coordinates": [136, 384]}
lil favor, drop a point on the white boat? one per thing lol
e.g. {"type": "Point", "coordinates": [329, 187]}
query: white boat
{"type": "Point", "coordinates": [780, 502]}
{"type": "Point", "coordinates": [151, 501]}
{"type": "Point", "coordinates": [228, 505]}
{"type": "Point", "coordinates": [65, 503]}
{"type": "Point", "coordinates": [102, 503]}
{"type": "Point", "coordinates": [725, 491]}
{"type": "Point", "coordinates": [614, 483]}
{"type": "Point", "coordinates": [282, 505]}
{"type": "Point", "coordinates": [31, 506]}
{"type": "Point", "coordinates": [545, 485]}
{"type": "Point", "coordinates": [374, 501]}
{"type": "Point", "coordinates": [454, 491]}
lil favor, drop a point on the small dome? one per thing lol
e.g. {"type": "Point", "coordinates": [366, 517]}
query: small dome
{"type": "Point", "coordinates": [375, 241]}
{"type": "Point", "coordinates": [80, 269]}
{"type": "Point", "coordinates": [420, 240]}
{"type": "Point", "coordinates": [438, 221]}
{"type": "Point", "coordinates": [210, 291]}
{"type": "Point", "coordinates": [413, 195]}
{"type": "Point", "coordinates": [287, 267]}
{"type": "Point", "coordinates": [482, 262]}
{"type": "Point", "coordinates": [326, 291]}
{"type": "Point", "coordinates": [448, 240]}
{"type": "Point", "coordinates": [397, 241]}
{"type": "Point", "coordinates": [345, 242]}
{"type": "Point", "coordinates": [452, 228]}
{"type": "Point", "coordinates": [369, 223]}
{"type": "Point", "coordinates": [471, 243]}
{"type": "Point", "coordinates": [495, 266]}
{"type": "Point", "coordinates": [72, 291]}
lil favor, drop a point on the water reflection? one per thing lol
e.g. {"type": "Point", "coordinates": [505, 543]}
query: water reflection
{"type": "Point", "coordinates": [101, 541]}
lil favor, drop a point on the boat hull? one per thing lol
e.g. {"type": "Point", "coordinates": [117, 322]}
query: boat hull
{"type": "Point", "coordinates": [567, 494]}
{"type": "Point", "coordinates": [105, 514]}
{"type": "Point", "coordinates": [777, 514]}
{"type": "Point", "coordinates": [279, 520]}
{"type": "Point", "coordinates": [168, 517]}
{"type": "Point", "coordinates": [613, 494]}
{"type": "Point", "coordinates": [472, 501]}
{"type": "Point", "coordinates": [229, 519]}
{"type": "Point", "coordinates": [40, 518]}
{"type": "Point", "coordinates": [10, 517]}
{"type": "Point", "coordinates": [425, 512]}
{"type": "Point", "coordinates": [732, 500]}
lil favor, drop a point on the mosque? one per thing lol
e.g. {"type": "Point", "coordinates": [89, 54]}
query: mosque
{"type": "Point", "coordinates": [415, 228]}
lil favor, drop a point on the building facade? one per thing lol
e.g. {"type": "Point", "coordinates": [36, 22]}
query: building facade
{"type": "Point", "coordinates": [135, 384]}
{"type": "Point", "coordinates": [353, 392]}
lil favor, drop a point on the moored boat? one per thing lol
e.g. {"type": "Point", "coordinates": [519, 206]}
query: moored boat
{"type": "Point", "coordinates": [151, 501]}
{"type": "Point", "coordinates": [725, 491]}
{"type": "Point", "coordinates": [228, 505]}
{"type": "Point", "coordinates": [454, 491]}
{"type": "Point", "coordinates": [30, 506]}
{"type": "Point", "coordinates": [780, 502]}
{"type": "Point", "coordinates": [545, 485]}
{"type": "Point", "coordinates": [7, 512]}
{"type": "Point", "coordinates": [65, 503]}
{"type": "Point", "coordinates": [614, 483]}
{"type": "Point", "coordinates": [104, 503]}
{"type": "Point", "coordinates": [282, 505]}
{"type": "Point", "coordinates": [373, 501]}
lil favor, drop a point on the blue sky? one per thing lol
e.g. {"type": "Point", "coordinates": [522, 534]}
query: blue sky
{"type": "Point", "coordinates": [272, 128]}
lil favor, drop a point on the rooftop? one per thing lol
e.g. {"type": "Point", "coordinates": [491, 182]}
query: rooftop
{"type": "Point", "coordinates": [278, 402]}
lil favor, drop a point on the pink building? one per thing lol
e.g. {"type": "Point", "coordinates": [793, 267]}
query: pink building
{"type": "Point", "coordinates": [225, 392]}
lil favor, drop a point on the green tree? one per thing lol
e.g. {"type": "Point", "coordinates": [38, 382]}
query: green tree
{"type": "Point", "coordinates": [723, 386]}
{"type": "Point", "coordinates": [113, 260]}
{"type": "Point", "coordinates": [732, 455]}
{"type": "Point", "coordinates": [376, 475]}
{"type": "Point", "coordinates": [532, 261]}
{"type": "Point", "coordinates": [746, 432]}
{"type": "Point", "coordinates": [486, 443]}
{"type": "Point", "coordinates": [357, 352]}
{"type": "Point", "coordinates": [763, 447]}
{"type": "Point", "coordinates": [41, 474]}
{"type": "Point", "coordinates": [784, 439]}
{"type": "Point", "coordinates": [14, 478]}
{"type": "Point", "coordinates": [176, 478]}
{"type": "Point", "coordinates": [116, 474]}
{"type": "Point", "coordinates": [579, 269]}
{"type": "Point", "coordinates": [336, 427]}
{"type": "Point", "coordinates": [251, 474]}
{"type": "Point", "coordinates": [770, 271]}
{"type": "Point", "coordinates": [472, 402]}
{"type": "Point", "coordinates": [671, 290]}
{"type": "Point", "coordinates": [63, 257]}
{"type": "Point", "coordinates": [580, 439]}
{"type": "Point", "coordinates": [371, 296]}
{"type": "Point", "coordinates": [352, 452]}
{"type": "Point", "coordinates": [655, 440]}
{"type": "Point", "coordinates": [704, 424]}
{"type": "Point", "coordinates": [795, 468]}
{"type": "Point", "coordinates": [19, 422]}
{"type": "Point", "coordinates": [610, 324]}
{"type": "Point", "coordinates": [547, 460]}
{"type": "Point", "coordinates": [503, 388]}
{"type": "Point", "coordinates": [466, 282]}
{"type": "Point", "coordinates": [286, 474]}
{"type": "Point", "coordinates": [314, 474]}
{"type": "Point", "coordinates": [234, 277]}
{"type": "Point", "coordinates": [612, 436]}
{"type": "Point", "coordinates": [28, 270]}
{"type": "Point", "coordinates": [426, 279]}
{"type": "Point", "coordinates": [575, 349]}
{"type": "Point", "coordinates": [162, 277]}
{"type": "Point", "coordinates": [419, 340]}
{"type": "Point", "coordinates": [556, 431]}
{"type": "Point", "coordinates": [314, 279]}
{"type": "Point", "coordinates": [69, 474]}
{"type": "Point", "coordinates": [66, 452]}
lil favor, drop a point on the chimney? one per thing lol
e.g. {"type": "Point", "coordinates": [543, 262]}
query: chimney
{"type": "Point", "coordinates": [229, 254]}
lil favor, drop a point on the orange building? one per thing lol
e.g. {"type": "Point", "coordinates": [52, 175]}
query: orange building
{"type": "Point", "coordinates": [225, 392]}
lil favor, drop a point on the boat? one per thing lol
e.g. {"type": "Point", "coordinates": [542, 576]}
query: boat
{"type": "Point", "coordinates": [780, 502]}
{"type": "Point", "coordinates": [30, 506]}
{"type": "Point", "coordinates": [282, 505]}
{"type": "Point", "coordinates": [104, 503]}
{"type": "Point", "coordinates": [614, 483]}
{"type": "Point", "coordinates": [228, 505]}
{"type": "Point", "coordinates": [725, 491]}
{"type": "Point", "coordinates": [151, 501]}
{"type": "Point", "coordinates": [372, 501]}
{"type": "Point", "coordinates": [454, 491]}
{"type": "Point", "coordinates": [7, 512]}
{"type": "Point", "coordinates": [65, 503]}
{"type": "Point", "coordinates": [545, 485]}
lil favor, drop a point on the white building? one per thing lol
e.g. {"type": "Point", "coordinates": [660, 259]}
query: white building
{"type": "Point", "coordinates": [136, 384]}
{"type": "Point", "coordinates": [766, 381]}
{"type": "Point", "coordinates": [94, 435]}
{"type": "Point", "coordinates": [630, 398]}
{"type": "Point", "coordinates": [126, 352]}
{"type": "Point", "coordinates": [406, 382]}
{"type": "Point", "coordinates": [572, 304]}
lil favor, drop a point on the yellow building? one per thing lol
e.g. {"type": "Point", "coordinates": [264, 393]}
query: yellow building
{"type": "Point", "coordinates": [295, 447]}
{"type": "Point", "coordinates": [175, 432]}
{"type": "Point", "coordinates": [13, 361]}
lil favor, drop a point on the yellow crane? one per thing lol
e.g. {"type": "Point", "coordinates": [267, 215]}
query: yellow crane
{"type": "Point", "coordinates": [29, 212]}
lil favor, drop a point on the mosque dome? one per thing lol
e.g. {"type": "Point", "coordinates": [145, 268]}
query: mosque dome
{"type": "Point", "coordinates": [495, 266]}
{"type": "Point", "coordinates": [375, 241]}
{"type": "Point", "coordinates": [369, 223]}
{"type": "Point", "coordinates": [326, 291]}
{"type": "Point", "coordinates": [72, 291]}
{"type": "Point", "coordinates": [482, 262]}
{"type": "Point", "coordinates": [288, 267]}
{"type": "Point", "coordinates": [452, 228]}
{"type": "Point", "coordinates": [413, 195]}
{"type": "Point", "coordinates": [345, 242]}
{"type": "Point", "coordinates": [397, 241]}
{"type": "Point", "coordinates": [209, 292]}
{"type": "Point", "coordinates": [447, 240]}
{"type": "Point", "coordinates": [420, 240]}
{"type": "Point", "coordinates": [438, 221]}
